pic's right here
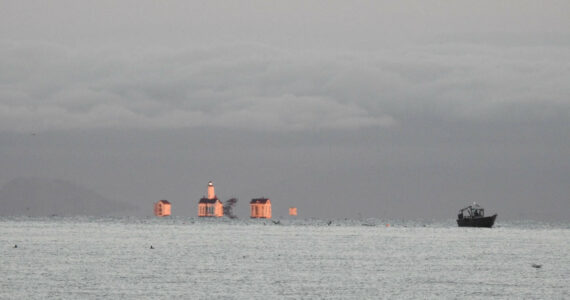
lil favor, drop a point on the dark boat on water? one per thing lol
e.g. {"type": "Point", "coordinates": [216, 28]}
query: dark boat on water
{"type": "Point", "coordinates": [474, 216]}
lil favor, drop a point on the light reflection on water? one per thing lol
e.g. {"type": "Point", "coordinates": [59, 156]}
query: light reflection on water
{"type": "Point", "coordinates": [196, 258]}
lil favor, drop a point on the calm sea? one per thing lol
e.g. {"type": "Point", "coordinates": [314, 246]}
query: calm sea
{"type": "Point", "coordinates": [95, 258]}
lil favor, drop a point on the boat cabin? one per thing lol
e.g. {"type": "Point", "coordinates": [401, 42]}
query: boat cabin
{"type": "Point", "coordinates": [471, 211]}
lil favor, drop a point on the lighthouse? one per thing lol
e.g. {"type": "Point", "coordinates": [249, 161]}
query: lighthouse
{"type": "Point", "coordinates": [211, 191]}
{"type": "Point", "coordinates": [210, 205]}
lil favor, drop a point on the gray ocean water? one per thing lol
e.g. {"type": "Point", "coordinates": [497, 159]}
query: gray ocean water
{"type": "Point", "coordinates": [110, 258]}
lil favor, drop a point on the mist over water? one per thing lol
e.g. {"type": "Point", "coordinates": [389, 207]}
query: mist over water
{"type": "Point", "coordinates": [71, 258]}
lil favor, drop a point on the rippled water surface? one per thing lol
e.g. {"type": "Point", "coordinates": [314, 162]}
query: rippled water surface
{"type": "Point", "coordinates": [78, 258]}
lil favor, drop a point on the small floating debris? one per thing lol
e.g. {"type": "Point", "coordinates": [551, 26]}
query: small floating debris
{"type": "Point", "coordinates": [15, 246]}
{"type": "Point", "coordinates": [536, 266]}
{"type": "Point", "coordinates": [151, 247]}
{"type": "Point", "coordinates": [329, 223]}
{"type": "Point", "coordinates": [276, 222]}
{"type": "Point", "coordinates": [366, 224]}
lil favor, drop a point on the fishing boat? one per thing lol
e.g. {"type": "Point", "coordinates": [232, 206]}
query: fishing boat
{"type": "Point", "coordinates": [474, 216]}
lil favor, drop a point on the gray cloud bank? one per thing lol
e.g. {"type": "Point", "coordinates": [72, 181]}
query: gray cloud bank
{"type": "Point", "coordinates": [257, 87]}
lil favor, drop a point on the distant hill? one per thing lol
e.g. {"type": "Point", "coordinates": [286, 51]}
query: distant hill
{"type": "Point", "coordinates": [46, 197]}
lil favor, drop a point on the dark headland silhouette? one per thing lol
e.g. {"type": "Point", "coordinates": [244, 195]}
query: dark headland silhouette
{"type": "Point", "coordinates": [48, 197]}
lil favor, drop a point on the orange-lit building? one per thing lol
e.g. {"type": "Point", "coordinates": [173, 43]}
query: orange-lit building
{"type": "Point", "coordinates": [162, 208]}
{"type": "Point", "coordinates": [210, 206]}
{"type": "Point", "coordinates": [292, 211]}
{"type": "Point", "coordinates": [260, 208]}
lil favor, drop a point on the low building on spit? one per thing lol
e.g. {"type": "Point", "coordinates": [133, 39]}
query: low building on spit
{"type": "Point", "coordinates": [292, 211]}
{"type": "Point", "coordinates": [260, 208]}
{"type": "Point", "coordinates": [210, 206]}
{"type": "Point", "coordinates": [162, 208]}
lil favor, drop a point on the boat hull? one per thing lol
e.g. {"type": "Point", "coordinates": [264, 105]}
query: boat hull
{"type": "Point", "coordinates": [477, 222]}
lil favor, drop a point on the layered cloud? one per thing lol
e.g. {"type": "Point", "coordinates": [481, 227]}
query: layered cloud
{"type": "Point", "coordinates": [257, 87]}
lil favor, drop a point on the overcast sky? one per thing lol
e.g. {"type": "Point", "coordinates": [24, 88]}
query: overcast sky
{"type": "Point", "coordinates": [344, 109]}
